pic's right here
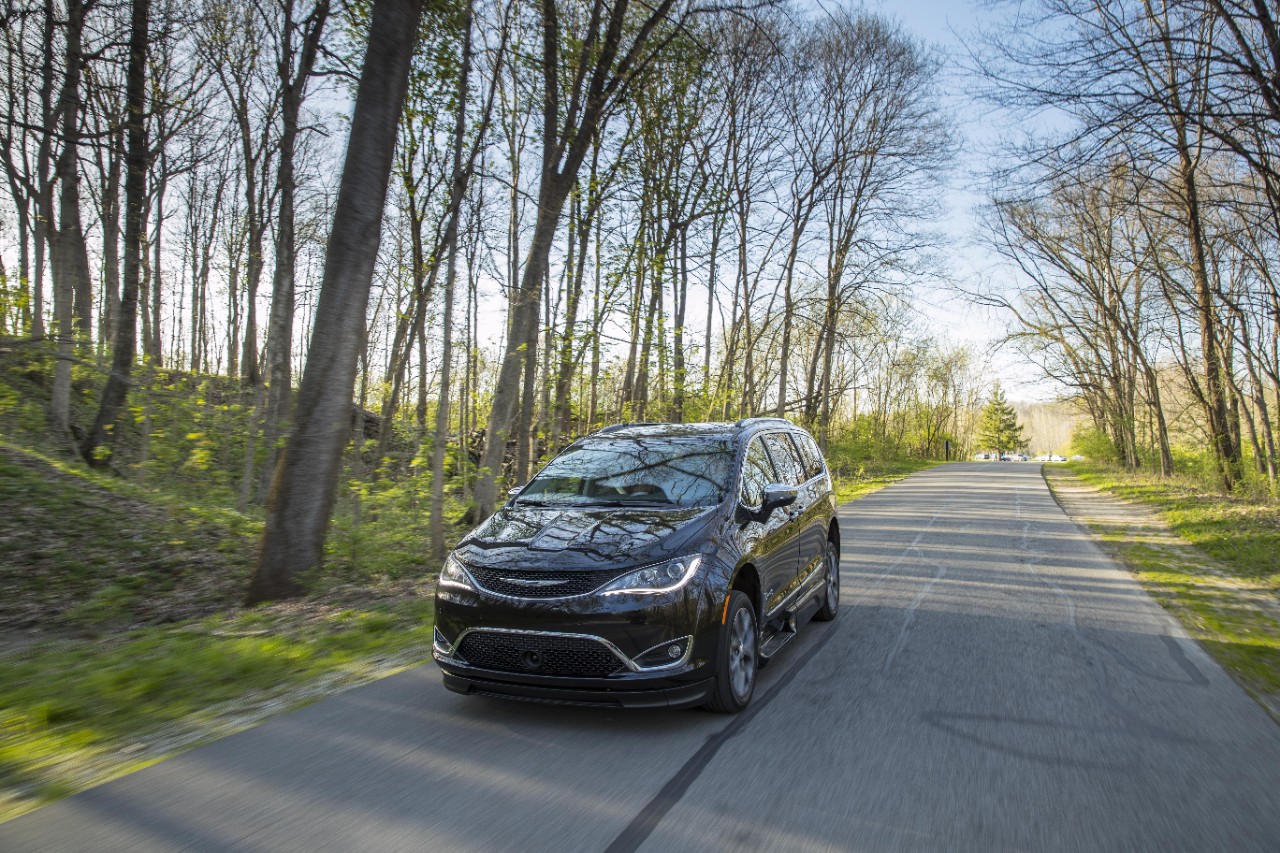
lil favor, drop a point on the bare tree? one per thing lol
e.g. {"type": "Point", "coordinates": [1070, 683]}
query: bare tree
{"type": "Point", "coordinates": [582, 82]}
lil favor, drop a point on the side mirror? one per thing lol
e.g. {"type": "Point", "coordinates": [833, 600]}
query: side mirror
{"type": "Point", "coordinates": [776, 496]}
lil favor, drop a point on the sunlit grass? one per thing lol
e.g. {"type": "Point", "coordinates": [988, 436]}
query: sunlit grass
{"type": "Point", "coordinates": [1243, 534]}
{"type": "Point", "coordinates": [854, 479]}
{"type": "Point", "coordinates": [1218, 577]}
{"type": "Point", "coordinates": [74, 711]}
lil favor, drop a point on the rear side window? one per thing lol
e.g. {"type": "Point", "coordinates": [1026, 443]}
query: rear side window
{"type": "Point", "coordinates": [785, 459]}
{"type": "Point", "coordinates": [809, 452]}
{"type": "Point", "coordinates": [757, 472]}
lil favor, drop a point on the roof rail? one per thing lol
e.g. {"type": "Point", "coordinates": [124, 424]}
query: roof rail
{"type": "Point", "coordinates": [761, 420]}
{"type": "Point", "coordinates": [616, 427]}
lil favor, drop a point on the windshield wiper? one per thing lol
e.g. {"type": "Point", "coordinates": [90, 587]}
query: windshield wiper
{"type": "Point", "coordinates": [625, 503]}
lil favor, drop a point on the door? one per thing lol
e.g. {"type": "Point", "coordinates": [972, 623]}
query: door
{"type": "Point", "coordinates": [790, 472]}
{"type": "Point", "coordinates": [770, 542]}
{"type": "Point", "coordinates": [816, 506]}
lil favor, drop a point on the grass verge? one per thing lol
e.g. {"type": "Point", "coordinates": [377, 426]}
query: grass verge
{"type": "Point", "coordinates": [75, 712]}
{"type": "Point", "coordinates": [853, 480]}
{"type": "Point", "coordinates": [1210, 559]}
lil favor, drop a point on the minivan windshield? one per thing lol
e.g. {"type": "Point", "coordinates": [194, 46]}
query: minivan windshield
{"type": "Point", "coordinates": [640, 471]}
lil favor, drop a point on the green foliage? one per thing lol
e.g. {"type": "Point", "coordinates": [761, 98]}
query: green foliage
{"type": "Point", "coordinates": [1093, 444]}
{"type": "Point", "coordinates": [15, 301]}
{"type": "Point", "coordinates": [859, 468]}
{"type": "Point", "coordinates": [998, 427]}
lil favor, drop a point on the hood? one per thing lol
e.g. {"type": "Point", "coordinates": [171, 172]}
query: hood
{"type": "Point", "coordinates": [553, 538]}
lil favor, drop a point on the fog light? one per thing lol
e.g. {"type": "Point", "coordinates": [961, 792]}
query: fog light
{"type": "Point", "coordinates": [664, 655]}
{"type": "Point", "coordinates": [441, 645]}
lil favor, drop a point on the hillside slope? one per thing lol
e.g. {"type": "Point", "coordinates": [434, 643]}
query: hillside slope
{"type": "Point", "coordinates": [83, 551]}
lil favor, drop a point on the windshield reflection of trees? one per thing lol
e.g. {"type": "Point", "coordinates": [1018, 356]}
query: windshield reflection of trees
{"type": "Point", "coordinates": [636, 471]}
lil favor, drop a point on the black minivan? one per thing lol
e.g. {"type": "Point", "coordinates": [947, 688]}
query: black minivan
{"type": "Point", "coordinates": [648, 565]}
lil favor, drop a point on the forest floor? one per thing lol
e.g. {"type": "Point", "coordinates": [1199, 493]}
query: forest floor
{"type": "Point", "coordinates": [1213, 561]}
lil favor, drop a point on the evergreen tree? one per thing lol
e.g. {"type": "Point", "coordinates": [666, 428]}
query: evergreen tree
{"type": "Point", "coordinates": [998, 429]}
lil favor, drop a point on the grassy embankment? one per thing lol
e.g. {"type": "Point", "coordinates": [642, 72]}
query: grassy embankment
{"type": "Point", "coordinates": [1223, 583]}
{"type": "Point", "coordinates": [121, 638]}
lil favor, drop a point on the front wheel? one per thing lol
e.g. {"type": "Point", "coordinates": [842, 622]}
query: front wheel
{"type": "Point", "coordinates": [737, 660]}
{"type": "Point", "coordinates": [831, 595]}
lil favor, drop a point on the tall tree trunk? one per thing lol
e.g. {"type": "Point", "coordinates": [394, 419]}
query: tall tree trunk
{"type": "Point", "coordinates": [293, 83]}
{"type": "Point", "coordinates": [713, 260]}
{"type": "Point", "coordinates": [72, 281]}
{"type": "Point", "coordinates": [152, 346]}
{"type": "Point", "coordinates": [233, 304]}
{"type": "Point", "coordinates": [637, 301]}
{"type": "Point", "coordinates": [111, 237]}
{"type": "Point", "coordinates": [135, 190]}
{"type": "Point", "coordinates": [457, 187]}
{"type": "Point", "coordinates": [1226, 450]}
{"type": "Point", "coordinates": [681, 297]}
{"type": "Point", "coordinates": [43, 231]}
{"type": "Point", "coordinates": [306, 478]}
{"type": "Point", "coordinates": [256, 225]}
{"type": "Point", "coordinates": [646, 345]}
{"type": "Point", "coordinates": [597, 320]}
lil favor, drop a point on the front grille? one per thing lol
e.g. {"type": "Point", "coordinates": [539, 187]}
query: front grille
{"type": "Point", "coordinates": [540, 655]}
{"type": "Point", "coordinates": [507, 581]}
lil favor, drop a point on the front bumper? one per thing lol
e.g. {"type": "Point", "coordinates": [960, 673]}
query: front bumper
{"type": "Point", "coordinates": [637, 631]}
{"type": "Point", "coordinates": [679, 696]}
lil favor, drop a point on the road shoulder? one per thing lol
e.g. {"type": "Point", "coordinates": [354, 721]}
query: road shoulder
{"type": "Point", "coordinates": [1237, 622]}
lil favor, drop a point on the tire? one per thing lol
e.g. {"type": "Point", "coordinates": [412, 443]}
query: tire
{"type": "Point", "coordinates": [831, 595]}
{"type": "Point", "coordinates": [738, 659]}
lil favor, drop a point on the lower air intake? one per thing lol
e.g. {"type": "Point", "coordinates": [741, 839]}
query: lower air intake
{"type": "Point", "coordinates": [539, 655]}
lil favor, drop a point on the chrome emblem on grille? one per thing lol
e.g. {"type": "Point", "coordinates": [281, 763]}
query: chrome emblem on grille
{"type": "Point", "coordinates": [533, 583]}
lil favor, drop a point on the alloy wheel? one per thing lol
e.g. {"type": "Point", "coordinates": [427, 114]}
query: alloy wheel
{"type": "Point", "coordinates": [742, 653]}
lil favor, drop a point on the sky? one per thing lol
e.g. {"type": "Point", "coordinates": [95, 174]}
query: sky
{"type": "Point", "coordinates": [947, 25]}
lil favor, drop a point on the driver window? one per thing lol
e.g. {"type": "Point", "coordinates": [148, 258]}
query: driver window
{"type": "Point", "coordinates": [785, 459]}
{"type": "Point", "coordinates": [757, 472]}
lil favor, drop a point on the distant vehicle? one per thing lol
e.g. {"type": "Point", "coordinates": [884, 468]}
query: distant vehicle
{"type": "Point", "coordinates": [982, 457]}
{"type": "Point", "coordinates": [1077, 458]}
{"type": "Point", "coordinates": [1057, 458]}
{"type": "Point", "coordinates": [646, 566]}
{"type": "Point", "coordinates": [1044, 457]}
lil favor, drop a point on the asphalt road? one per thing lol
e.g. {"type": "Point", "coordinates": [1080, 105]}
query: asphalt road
{"type": "Point", "coordinates": [993, 683]}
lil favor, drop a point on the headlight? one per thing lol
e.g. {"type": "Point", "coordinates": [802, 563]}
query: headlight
{"type": "Point", "coordinates": [660, 577]}
{"type": "Point", "coordinates": [453, 574]}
